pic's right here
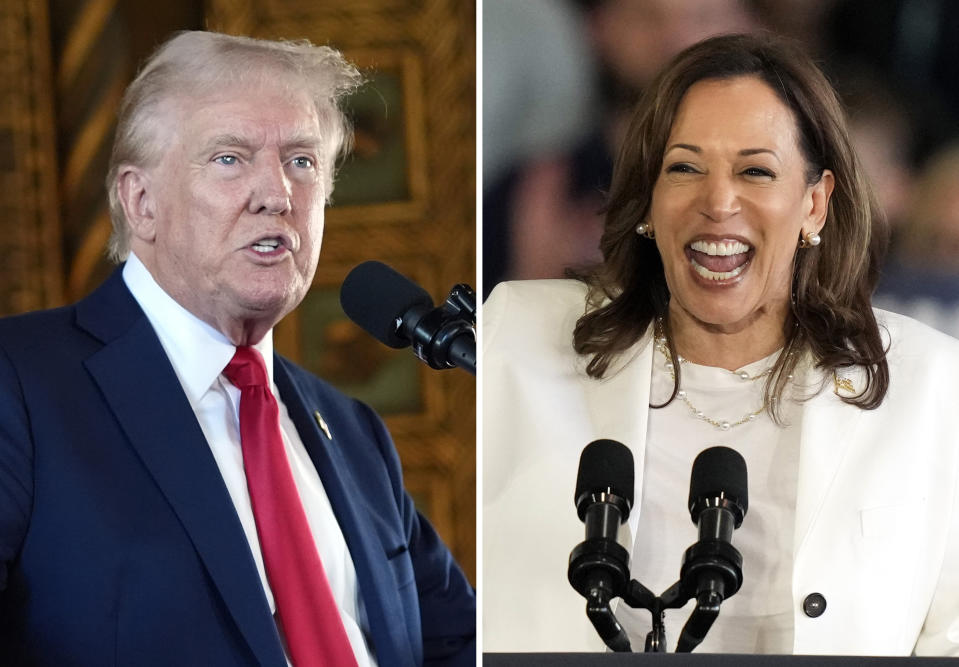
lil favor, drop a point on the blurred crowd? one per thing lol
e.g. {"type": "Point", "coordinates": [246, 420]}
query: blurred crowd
{"type": "Point", "coordinates": [560, 77]}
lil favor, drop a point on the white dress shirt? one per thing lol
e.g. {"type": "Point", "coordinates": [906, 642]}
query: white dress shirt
{"type": "Point", "coordinates": [199, 353]}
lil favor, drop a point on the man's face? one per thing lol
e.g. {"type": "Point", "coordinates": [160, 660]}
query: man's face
{"type": "Point", "coordinates": [239, 196]}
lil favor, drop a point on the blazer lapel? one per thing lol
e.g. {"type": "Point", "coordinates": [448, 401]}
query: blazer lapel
{"type": "Point", "coordinates": [619, 409]}
{"type": "Point", "coordinates": [163, 430]}
{"type": "Point", "coordinates": [828, 426]}
{"type": "Point", "coordinates": [339, 481]}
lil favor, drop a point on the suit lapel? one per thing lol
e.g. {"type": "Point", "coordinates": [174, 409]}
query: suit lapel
{"type": "Point", "coordinates": [139, 384]}
{"type": "Point", "coordinates": [372, 568]}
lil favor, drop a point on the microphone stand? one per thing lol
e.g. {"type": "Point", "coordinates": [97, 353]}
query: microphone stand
{"type": "Point", "coordinates": [597, 569]}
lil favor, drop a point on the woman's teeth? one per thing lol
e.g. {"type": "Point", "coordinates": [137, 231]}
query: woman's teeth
{"type": "Point", "coordinates": [719, 260]}
{"type": "Point", "coordinates": [722, 248]}
{"type": "Point", "coordinates": [717, 275]}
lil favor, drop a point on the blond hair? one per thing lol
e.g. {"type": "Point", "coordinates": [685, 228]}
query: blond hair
{"type": "Point", "coordinates": [194, 62]}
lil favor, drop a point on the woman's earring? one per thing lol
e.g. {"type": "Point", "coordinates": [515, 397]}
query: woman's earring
{"type": "Point", "coordinates": [809, 240]}
{"type": "Point", "coordinates": [645, 229]}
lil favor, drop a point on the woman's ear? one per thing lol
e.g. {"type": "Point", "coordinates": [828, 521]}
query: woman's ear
{"type": "Point", "coordinates": [819, 202]}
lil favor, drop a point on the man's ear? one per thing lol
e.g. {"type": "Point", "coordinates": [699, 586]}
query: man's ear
{"type": "Point", "coordinates": [139, 205]}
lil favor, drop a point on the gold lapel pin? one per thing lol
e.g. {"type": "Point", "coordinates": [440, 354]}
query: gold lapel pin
{"type": "Point", "coordinates": [322, 424]}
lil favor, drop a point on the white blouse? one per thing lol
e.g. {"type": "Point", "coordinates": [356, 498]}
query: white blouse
{"type": "Point", "coordinates": [759, 617]}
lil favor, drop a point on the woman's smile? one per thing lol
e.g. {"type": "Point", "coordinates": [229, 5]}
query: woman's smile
{"type": "Point", "coordinates": [728, 208]}
{"type": "Point", "coordinates": [719, 262]}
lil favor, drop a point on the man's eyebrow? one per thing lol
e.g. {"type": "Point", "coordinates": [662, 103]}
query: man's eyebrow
{"type": "Point", "coordinates": [227, 141]}
{"type": "Point", "coordinates": [303, 141]}
{"type": "Point", "coordinates": [296, 141]}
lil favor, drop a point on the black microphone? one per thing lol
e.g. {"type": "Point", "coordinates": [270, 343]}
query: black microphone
{"type": "Point", "coordinates": [712, 567]}
{"type": "Point", "coordinates": [599, 566]}
{"type": "Point", "coordinates": [399, 313]}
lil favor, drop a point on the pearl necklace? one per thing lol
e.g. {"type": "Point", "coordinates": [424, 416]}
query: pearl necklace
{"type": "Point", "coordinates": [721, 424]}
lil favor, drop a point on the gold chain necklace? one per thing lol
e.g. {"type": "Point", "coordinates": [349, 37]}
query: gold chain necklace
{"type": "Point", "coordinates": [721, 424]}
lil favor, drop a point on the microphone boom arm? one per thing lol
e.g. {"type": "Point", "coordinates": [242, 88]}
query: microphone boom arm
{"type": "Point", "coordinates": [445, 337]}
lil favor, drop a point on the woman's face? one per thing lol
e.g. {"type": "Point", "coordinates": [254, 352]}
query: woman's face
{"type": "Point", "coordinates": [730, 203]}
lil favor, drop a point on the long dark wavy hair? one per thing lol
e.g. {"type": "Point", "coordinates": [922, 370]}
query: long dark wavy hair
{"type": "Point", "coordinates": [830, 315]}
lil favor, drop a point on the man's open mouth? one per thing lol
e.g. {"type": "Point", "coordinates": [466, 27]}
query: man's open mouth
{"type": "Point", "coordinates": [267, 245]}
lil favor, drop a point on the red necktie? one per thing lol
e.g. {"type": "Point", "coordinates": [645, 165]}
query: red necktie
{"type": "Point", "coordinates": [305, 608]}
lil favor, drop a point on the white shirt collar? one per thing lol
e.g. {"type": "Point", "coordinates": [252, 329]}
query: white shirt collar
{"type": "Point", "coordinates": [198, 352]}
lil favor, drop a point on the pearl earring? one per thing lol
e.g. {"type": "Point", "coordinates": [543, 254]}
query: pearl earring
{"type": "Point", "coordinates": [809, 240]}
{"type": "Point", "coordinates": [644, 229]}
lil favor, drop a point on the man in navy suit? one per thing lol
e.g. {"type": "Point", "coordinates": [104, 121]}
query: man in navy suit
{"type": "Point", "coordinates": [127, 535]}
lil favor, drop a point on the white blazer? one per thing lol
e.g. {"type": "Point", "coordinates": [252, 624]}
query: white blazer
{"type": "Point", "coordinates": [877, 525]}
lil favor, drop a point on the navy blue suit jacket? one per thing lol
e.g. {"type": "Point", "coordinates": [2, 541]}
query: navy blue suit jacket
{"type": "Point", "coordinates": [119, 544]}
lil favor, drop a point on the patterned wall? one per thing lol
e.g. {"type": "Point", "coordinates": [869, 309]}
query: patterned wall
{"type": "Point", "coordinates": [31, 272]}
{"type": "Point", "coordinates": [406, 197]}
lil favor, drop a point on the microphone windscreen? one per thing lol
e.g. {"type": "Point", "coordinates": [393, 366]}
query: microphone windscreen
{"type": "Point", "coordinates": [719, 471]}
{"type": "Point", "coordinates": [605, 464]}
{"type": "Point", "coordinates": [374, 296]}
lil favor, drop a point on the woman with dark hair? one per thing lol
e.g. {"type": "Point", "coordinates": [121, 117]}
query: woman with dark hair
{"type": "Point", "coordinates": [741, 247]}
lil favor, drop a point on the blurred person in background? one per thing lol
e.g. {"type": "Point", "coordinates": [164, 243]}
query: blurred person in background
{"type": "Point", "coordinates": [538, 98]}
{"type": "Point", "coordinates": [921, 278]}
{"type": "Point", "coordinates": [802, 20]}
{"type": "Point", "coordinates": [913, 43]}
{"type": "Point", "coordinates": [544, 216]}
{"type": "Point", "coordinates": [881, 130]}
